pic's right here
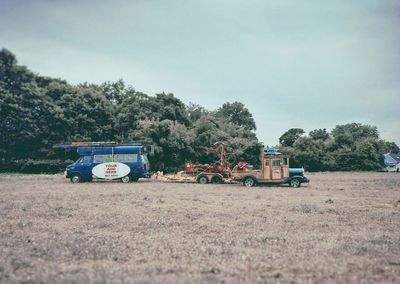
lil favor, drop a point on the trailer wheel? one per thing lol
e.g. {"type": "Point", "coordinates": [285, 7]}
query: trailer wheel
{"type": "Point", "coordinates": [295, 183]}
{"type": "Point", "coordinates": [76, 178]}
{"type": "Point", "coordinates": [249, 181]}
{"type": "Point", "coordinates": [202, 179]}
{"type": "Point", "coordinates": [126, 179]}
{"type": "Point", "coordinates": [216, 179]}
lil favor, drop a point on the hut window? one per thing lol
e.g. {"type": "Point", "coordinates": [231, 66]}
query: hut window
{"type": "Point", "coordinates": [276, 163]}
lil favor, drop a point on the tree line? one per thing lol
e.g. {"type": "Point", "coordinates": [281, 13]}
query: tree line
{"type": "Point", "coordinates": [347, 147]}
{"type": "Point", "coordinates": [37, 112]}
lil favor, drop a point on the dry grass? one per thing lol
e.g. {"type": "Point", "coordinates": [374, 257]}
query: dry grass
{"type": "Point", "coordinates": [342, 227]}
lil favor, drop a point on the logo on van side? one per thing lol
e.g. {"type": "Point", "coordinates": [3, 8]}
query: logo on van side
{"type": "Point", "coordinates": [111, 170]}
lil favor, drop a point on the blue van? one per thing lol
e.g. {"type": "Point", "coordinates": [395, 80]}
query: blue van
{"type": "Point", "coordinates": [132, 158]}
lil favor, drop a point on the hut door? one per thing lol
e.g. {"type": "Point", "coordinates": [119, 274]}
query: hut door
{"type": "Point", "coordinates": [267, 169]}
{"type": "Point", "coordinates": [276, 169]}
{"type": "Point", "coordinates": [285, 167]}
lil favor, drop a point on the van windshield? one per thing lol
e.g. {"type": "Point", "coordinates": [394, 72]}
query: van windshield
{"type": "Point", "coordinates": [84, 160]}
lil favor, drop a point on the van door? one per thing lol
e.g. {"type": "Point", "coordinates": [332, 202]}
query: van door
{"type": "Point", "coordinates": [85, 167]}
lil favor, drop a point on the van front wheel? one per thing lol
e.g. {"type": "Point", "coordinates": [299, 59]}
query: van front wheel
{"type": "Point", "coordinates": [75, 178]}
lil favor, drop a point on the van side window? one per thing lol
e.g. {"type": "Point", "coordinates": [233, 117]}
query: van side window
{"type": "Point", "coordinates": [98, 159]}
{"type": "Point", "coordinates": [123, 158]}
{"type": "Point", "coordinates": [87, 159]}
{"type": "Point", "coordinates": [126, 158]}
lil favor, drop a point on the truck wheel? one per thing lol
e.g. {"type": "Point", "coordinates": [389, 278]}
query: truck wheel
{"type": "Point", "coordinates": [216, 179]}
{"type": "Point", "coordinates": [295, 183]}
{"type": "Point", "coordinates": [202, 179]}
{"type": "Point", "coordinates": [135, 179]}
{"type": "Point", "coordinates": [126, 179]}
{"type": "Point", "coordinates": [76, 178]}
{"type": "Point", "coordinates": [249, 181]}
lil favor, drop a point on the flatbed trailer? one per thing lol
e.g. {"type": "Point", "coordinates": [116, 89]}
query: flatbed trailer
{"type": "Point", "coordinates": [216, 173]}
{"type": "Point", "coordinates": [202, 178]}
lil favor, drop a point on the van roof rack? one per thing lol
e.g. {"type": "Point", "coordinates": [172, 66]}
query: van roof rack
{"type": "Point", "coordinates": [93, 144]}
{"type": "Point", "coordinates": [65, 146]}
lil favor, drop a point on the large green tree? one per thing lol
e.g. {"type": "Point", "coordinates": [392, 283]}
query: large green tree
{"type": "Point", "coordinates": [347, 134]}
{"type": "Point", "coordinates": [238, 114]}
{"type": "Point", "coordinates": [312, 154]}
{"type": "Point", "coordinates": [289, 137]}
{"type": "Point", "coordinates": [167, 106]}
{"type": "Point", "coordinates": [319, 134]}
{"type": "Point", "coordinates": [348, 147]}
{"type": "Point", "coordinates": [29, 119]}
{"type": "Point", "coordinates": [195, 112]}
{"type": "Point", "coordinates": [172, 142]}
{"type": "Point", "coordinates": [38, 112]}
{"type": "Point", "coordinates": [88, 115]}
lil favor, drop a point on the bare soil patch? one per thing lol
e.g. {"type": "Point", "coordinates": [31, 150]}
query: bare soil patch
{"type": "Point", "coordinates": [342, 227]}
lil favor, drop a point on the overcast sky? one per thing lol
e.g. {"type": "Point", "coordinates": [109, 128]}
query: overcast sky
{"type": "Point", "coordinates": [308, 64]}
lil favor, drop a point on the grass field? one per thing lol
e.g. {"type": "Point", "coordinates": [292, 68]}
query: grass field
{"type": "Point", "coordinates": [342, 227]}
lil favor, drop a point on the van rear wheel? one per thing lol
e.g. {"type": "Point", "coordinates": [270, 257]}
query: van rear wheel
{"type": "Point", "coordinates": [126, 179]}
